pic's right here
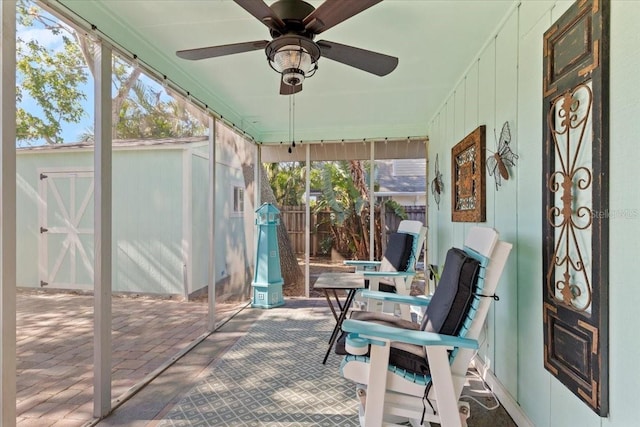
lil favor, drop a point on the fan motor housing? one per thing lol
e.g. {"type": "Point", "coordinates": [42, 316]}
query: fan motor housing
{"type": "Point", "coordinates": [292, 12]}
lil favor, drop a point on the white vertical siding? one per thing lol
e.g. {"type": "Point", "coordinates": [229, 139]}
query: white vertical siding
{"type": "Point", "coordinates": [509, 88]}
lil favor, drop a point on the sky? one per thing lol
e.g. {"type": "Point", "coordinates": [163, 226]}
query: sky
{"type": "Point", "coordinates": [70, 131]}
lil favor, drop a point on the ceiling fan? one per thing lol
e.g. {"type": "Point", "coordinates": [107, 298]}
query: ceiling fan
{"type": "Point", "coordinates": [293, 25]}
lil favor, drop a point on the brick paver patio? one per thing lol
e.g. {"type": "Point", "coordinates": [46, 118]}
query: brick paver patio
{"type": "Point", "coordinates": [55, 349]}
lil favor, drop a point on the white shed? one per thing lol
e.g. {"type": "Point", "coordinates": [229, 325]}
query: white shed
{"type": "Point", "coordinates": [160, 225]}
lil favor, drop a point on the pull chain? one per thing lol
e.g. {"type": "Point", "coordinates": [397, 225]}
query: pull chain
{"type": "Point", "coordinates": [292, 120]}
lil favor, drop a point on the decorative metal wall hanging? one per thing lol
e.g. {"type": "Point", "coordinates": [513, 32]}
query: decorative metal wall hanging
{"type": "Point", "coordinates": [498, 162]}
{"type": "Point", "coordinates": [575, 201]}
{"type": "Point", "coordinates": [437, 186]}
{"type": "Point", "coordinates": [467, 178]}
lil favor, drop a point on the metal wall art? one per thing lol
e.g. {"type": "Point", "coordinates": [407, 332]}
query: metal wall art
{"type": "Point", "coordinates": [437, 186]}
{"type": "Point", "coordinates": [575, 198]}
{"type": "Point", "coordinates": [468, 178]}
{"type": "Point", "coordinates": [498, 162]}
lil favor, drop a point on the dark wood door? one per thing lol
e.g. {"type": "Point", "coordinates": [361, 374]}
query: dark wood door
{"type": "Point", "coordinates": [576, 200]}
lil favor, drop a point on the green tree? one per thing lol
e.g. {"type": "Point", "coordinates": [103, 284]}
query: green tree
{"type": "Point", "coordinates": [287, 182]}
{"type": "Point", "coordinates": [54, 80]}
{"type": "Point", "coordinates": [51, 79]}
{"type": "Point", "coordinates": [345, 193]}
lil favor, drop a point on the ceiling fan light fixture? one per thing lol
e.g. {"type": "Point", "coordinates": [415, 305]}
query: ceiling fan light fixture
{"type": "Point", "coordinates": [294, 63]}
{"type": "Point", "coordinates": [294, 57]}
{"type": "Point", "coordinates": [292, 53]}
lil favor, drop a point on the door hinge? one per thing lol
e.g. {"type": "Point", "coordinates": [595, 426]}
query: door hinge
{"type": "Point", "coordinates": [43, 230]}
{"type": "Point", "coordinates": [43, 176]}
{"type": "Point", "coordinates": [43, 283]}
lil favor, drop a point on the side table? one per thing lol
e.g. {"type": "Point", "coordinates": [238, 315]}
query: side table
{"type": "Point", "coordinates": [333, 282]}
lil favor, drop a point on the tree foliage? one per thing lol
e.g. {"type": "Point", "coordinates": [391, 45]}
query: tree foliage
{"type": "Point", "coordinates": [344, 193]}
{"type": "Point", "coordinates": [53, 72]}
{"type": "Point", "coordinates": [52, 78]}
{"type": "Point", "coordinates": [287, 182]}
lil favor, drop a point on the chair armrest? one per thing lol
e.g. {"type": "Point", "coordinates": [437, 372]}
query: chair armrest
{"type": "Point", "coordinates": [362, 263]}
{"type": "Point", "coordinates": [367, 273]}
{"type": "Point", "coordinates": [399, 298]}
{"type": "Point", "coordinates": [375, 330]}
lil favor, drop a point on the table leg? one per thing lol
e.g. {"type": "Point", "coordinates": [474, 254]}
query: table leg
{"type": "Point", "coordinates": [333, 310]}
{"type": "Point", "coordinates": [335, 295]}
{"type": "Point", "coordinates": [338, 327]}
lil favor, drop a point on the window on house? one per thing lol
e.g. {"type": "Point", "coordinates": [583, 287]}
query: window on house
{"type": "Point", "coordinates": [409, 167]}
{"type": "Point", "coordinates": [238, 200]}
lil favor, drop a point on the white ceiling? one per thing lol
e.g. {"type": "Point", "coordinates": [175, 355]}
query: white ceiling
{"type": "Point", "coordinates": [435, 42]}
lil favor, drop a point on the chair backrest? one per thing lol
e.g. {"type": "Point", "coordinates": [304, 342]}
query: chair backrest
{"type": "Point", "coordinates": [453, 298]}
{"type": "Point", "coordinates": [419, 231]}
{"type": "Point", "coordinates": [397, 255]}
{"type": "Point", "coordinates": [483, 241]}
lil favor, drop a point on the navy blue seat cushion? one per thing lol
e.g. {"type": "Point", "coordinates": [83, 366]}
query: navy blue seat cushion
{"type": "Point", "coordinates": [445, 313]}
{"type": "Point", "coordinates": [453, 295]}
{"type": "Point", "coordinates": [396, 258]}
{"type": "Point", "coordinates": [398, 251]}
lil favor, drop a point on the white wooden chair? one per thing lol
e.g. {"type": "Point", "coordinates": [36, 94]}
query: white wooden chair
{"type": "Point", "coordinates": [389, 271]}
{"type": "Point", "coordinates": [388, 393]}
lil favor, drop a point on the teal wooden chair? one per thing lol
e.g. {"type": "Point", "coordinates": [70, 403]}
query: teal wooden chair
{"type": "Point", "coordinates": [387, 356]}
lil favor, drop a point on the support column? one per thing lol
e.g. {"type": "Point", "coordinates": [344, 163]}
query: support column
{"type": "Point", "coordinates": [307, 219]}
{"type": "Point", "coordinates": [427, 202]}
{"type": "Point", "coordinates": [8, 213]}
{"type": "Point", "coordinates": [102, 234]}
{"type": "Point", "coordinates": [211, 285]}
{"type": "Point", "coordinates": [257, 179]}
{"type": "Point", "coordinates": [372, 203]}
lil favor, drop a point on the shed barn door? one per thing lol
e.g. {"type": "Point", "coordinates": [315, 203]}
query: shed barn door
{"type": "Point", "coordinates": [66, 229]}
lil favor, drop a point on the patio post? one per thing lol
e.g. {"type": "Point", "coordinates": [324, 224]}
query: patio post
{"type": "Point", "coordinates": [211, 282]}
{"type": "Point", "coordinates": [8, 213]}
{"type": "Point", "coordinates": [102, 233]}
{"type": "Point", "coordinates": [372, 219]}
{"type": "Point", "coordinates": [307, 218]}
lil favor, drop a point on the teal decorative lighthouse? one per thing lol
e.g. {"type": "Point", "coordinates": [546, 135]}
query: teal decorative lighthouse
{"type": "Point", "coordinates": [267, 280]}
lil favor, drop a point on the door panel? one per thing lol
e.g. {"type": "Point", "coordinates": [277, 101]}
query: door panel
{"type": "Point", "coordinates": [66, 229]}
{"type": "Point", "coordinates": [576, 201]}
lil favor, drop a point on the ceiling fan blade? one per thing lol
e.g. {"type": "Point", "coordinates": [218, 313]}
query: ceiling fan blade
{"type": "Point", "coordinates": [333, 12]}
{"type": "Point", "coordinates": [227, 49]}
{"type": "Point", "coordinates": [260, 10]}
{"type": "Point", "coordinates": [286, 89]}
{"type": "Point", "coordinates": [365, 60]}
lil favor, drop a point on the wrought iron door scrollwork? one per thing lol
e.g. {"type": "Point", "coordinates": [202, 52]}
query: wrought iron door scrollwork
{"type": "Point", "coordinates": [568, 120]}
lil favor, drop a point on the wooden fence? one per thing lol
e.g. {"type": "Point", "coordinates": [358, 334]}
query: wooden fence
{"type": "Point", "coordinates": [391, 220]}
{"type": "Point", "coordinates": [294, 219]}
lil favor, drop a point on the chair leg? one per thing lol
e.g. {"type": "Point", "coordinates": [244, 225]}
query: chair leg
{"type": "Point", "coordinates": [443, 386]}
{"type": "Point", "coordinates": [373, 304]}
{"type": "Point", "coordinates": [378, 362]}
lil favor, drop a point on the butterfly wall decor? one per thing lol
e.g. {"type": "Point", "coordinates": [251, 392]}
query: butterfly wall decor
{"type": "Point", "coordinates": [497, 163]}
{"type": "Point", "coordinates": [437, 187]}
